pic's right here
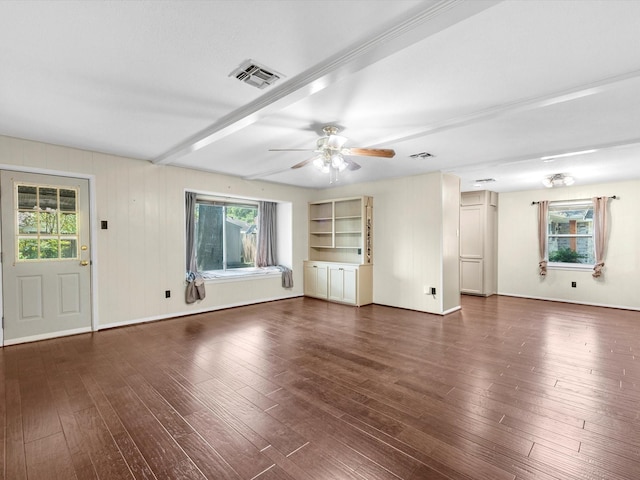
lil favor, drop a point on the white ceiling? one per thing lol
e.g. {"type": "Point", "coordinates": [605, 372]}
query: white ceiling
{"type": "Point", "coordinates": [488, 87]}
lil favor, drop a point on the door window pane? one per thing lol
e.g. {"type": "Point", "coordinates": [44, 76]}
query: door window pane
{"type": "Point", "coordinates": [47, 223]}
{"type": "Point", "coordinates": [27, 199]}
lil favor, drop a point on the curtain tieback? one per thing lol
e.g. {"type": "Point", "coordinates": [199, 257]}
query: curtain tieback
{"type": "Point", "coordinates": [597, 269]}
{"type": "Point", "coordinates": [543, 267]}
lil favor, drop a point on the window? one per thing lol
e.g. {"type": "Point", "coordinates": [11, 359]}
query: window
{"type": "Point", "coordinates": [226, 234]}
{"type": "Point", "coordinates": [47, 223]}
{"type": "Point", "coordinates": [570, 233]}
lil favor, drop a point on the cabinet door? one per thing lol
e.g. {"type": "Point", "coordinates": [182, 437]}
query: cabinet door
{"type": "Point", "coordinates": [350, 285]}
{"type": "Point", "coordinates": [321, 281]}
{"type": "Point", "coordinates": [471, 276]}
{"type": "Point", "coordinates": [310, 280]}
{"type": "Point", "coordinates": [315, 280]}
{"type": "Point", "coordinates": [343, 284]}
{"type": "Point", "coordinates": [336, 279]}
{"type": "Point", "coordinates": [471, 232]}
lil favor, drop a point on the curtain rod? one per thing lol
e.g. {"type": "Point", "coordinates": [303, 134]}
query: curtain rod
{"type": "Point", "coordinates": [577, 200]}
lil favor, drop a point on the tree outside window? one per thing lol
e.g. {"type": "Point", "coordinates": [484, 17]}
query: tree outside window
{"type": "Point", "coordinates": [570, 233]}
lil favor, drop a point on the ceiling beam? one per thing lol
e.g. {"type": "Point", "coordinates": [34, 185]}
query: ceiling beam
{"type": "Point", "coordinates": [417, 25]}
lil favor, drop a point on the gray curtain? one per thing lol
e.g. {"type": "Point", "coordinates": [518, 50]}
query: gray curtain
{"type": "Point", "coordinates": [190, 209]}
{"type": "Point", "coordinates": [543, 209]}
{"type": "Point", "coordinates": [266, 254]}
{"type": "Point", "coordinates": [195, 289]}
{"type": "Point", "coordinates": [600, 229]}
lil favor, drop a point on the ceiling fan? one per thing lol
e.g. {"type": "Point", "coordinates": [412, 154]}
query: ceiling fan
{"type": "Point", "coordinates": [330, 153]}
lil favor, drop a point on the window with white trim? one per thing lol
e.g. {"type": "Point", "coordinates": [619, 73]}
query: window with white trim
{"type": "Point", "coordinates": [226, 234]}
{"type": "Point", "coordinates": [570, 240]}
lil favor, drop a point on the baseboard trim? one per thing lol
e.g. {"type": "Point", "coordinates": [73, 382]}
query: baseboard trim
{"type": "Point", "coordinates": [574, 302]}
{"type": "Point", "coordinates": [451, 310]}
{"type": "Point", "coordinates": [156, 318]}
{"type": "Point", "coordinates": [46, 336]}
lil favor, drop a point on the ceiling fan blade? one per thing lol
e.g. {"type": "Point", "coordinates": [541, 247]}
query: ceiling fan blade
{"type": "Point", "coordinates": [304, 162]}
{"type": "Point", "coordinates": [291, 149]}
{"type": "Point", "coordinates": [351, 165]}
{"type": "Point", "coordinates": [369, 152]}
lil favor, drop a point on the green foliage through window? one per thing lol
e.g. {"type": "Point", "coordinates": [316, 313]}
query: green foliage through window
{"type": "Point", "coordinates": [47, 223]}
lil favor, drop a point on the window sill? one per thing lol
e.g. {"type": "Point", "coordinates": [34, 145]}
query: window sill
{"type": "Point", "coordinates": [239, 275]}
{"type": "Point", "coordinates": [569, 266]}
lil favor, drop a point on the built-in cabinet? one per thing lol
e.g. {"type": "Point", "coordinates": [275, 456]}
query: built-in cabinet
{"type": "Point", "coordinates": [478, 242]}
{"type": "Point", "coordinates": [340, 264]}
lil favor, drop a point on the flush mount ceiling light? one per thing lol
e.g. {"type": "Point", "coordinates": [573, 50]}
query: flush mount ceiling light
{"type": "Point", "coordinates": [558, 180]}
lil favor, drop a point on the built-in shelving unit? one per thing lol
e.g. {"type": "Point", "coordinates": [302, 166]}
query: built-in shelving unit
{"type": "Point", "coordinates": [340, 261]}
{"type": "Point", "coordinates": [340, 230]}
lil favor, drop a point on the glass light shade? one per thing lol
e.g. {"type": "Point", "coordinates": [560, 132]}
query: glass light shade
{"type": "Point", "coordinates": [547, 182]}
{"type": "Point", "coordinates": [569, 180]}
{"type": "Point", "coordinates": [337, 161]}
{"type": "Point", "coordinates": [318, 162]}
{"type": "Point", "coordinates": [336, 141]}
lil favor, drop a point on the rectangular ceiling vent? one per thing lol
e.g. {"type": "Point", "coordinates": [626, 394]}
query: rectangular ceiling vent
{"type": "Point", "coordinates": [256, 75]}
{"type": "Point", "coordinates": [422, 155]}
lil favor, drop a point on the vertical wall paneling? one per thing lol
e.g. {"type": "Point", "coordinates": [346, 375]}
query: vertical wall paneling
{"type": "Point", "coordinates": [518, 249]}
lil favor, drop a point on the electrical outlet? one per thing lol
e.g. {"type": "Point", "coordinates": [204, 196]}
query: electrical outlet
{"type": "Point", "coordinates": [574, 284]}
{"type": "Point", "coordinates": [167, 294]}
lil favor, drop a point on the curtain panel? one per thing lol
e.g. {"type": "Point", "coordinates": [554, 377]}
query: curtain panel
{"type": "Point", "coordinates": [266, 254]}
{"type": "Point", "coordinates": [600, 231]}
{"type": "Point", "coordinates": [543, 210]}
{"type": "Point", "coordinates": [195, 289]}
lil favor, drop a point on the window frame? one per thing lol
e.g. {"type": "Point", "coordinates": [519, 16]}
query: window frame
{"type": "Point", "coordinates": [233, 274]}
{"type": "Point", "coordinates": [39, 236]}
{"type": "Point", "coordinates": [584, 203]}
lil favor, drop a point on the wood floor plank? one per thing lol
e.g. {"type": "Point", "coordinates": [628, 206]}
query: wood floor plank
{"type": "Point", "coordinates": [15, 462]}
{"type": "Point", "coordinates": [48, 459]}
{"type": "Point", "coordinates": [154, 442]}
{"type": "Point", "coordinates": [208, 461]}
{"type": "Point", "coordinates": [103, 450]}
{"type": "Point", "coordinates": [236, 450]}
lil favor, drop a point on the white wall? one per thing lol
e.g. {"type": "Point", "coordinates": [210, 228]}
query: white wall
{"type": "Point", "coordinates": [518, 249]}
{"type": "Point", "coordinates": [142, 253]}
{"type": "Point", "coordinates": [407, 239]}
{"type": "Point", "coordinates": [451, 243]}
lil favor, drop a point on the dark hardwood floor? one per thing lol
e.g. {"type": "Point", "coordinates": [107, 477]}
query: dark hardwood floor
{"type": "Point", "coordinates": [507, 388]}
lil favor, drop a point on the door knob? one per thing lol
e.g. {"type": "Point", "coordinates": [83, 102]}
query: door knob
{"type": "Point", "coordinates": [84, 263]}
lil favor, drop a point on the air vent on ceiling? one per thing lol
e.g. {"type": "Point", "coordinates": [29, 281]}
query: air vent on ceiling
{"type": "Point", "coordinates": [256, 75]}
{"type": "Point", "coordinates": [422, 155]}
{"type": "Point", "coordinates": [483, 181]}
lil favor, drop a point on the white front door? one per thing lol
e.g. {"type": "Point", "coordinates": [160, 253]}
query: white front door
{"type": "Point", "coordinates": [46, 268]}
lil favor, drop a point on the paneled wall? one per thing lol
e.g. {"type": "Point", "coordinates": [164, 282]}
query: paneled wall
{"type": "Point", "coordinates": [414, 248]}
{"type": "Point", "coordinates": [142, 253]}
{"type": "Point", "coordinates": [518, 249]}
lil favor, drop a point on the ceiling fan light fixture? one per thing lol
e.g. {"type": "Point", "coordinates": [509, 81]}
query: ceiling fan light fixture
{"type": "Point", "coordinates": [558, 180]}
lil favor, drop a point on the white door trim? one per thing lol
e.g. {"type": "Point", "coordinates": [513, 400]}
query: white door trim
{"type": "Point", "coordinates": [93, 233]}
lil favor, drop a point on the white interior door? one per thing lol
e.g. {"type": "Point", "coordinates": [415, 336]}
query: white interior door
{"type": "Point", "coordinates": [46, 268]}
